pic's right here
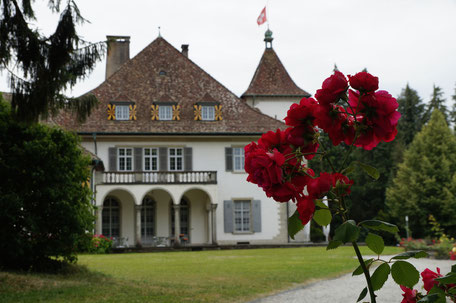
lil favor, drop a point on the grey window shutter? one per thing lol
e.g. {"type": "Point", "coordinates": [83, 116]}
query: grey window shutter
{"type": "Point", "coordinates": [112, 154]}
{"type": "Point", "coordinates": [138, 159]}
{"type": "Point", "coordinates": [229, 159]}
{"type": "Point", "coordinates": [188, 158]}
{"type": "Point", "coordinates": [256, 216]}
{"type": "Point", "coordinates": [228, 213]}
{"type": "Point", "coordinates": [163, 158]}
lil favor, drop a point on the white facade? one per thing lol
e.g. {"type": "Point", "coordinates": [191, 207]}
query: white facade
{"type": "Point", "coordinates": [275, 107]}
{"type": "Point", "coordinates": [206, 201]}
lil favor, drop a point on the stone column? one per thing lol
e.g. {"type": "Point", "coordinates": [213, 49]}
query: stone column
{"type": "Point", "coordinates": [98, 220]}
{"type": "Point", "coordinates": [176, 224]}
{"type": "Point", "coordinates": [214, 223]}
{"type": "Point", "coordinates": [209, 223]}
{"type": "Point", "coordinates": [138, 225]}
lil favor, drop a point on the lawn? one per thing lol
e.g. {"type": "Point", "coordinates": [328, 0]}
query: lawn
{"type": "Point", "coordinates": [205, 276]}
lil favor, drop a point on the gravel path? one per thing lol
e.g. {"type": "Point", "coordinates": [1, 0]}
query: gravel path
{"type": "Point", "coordinates": [347, 288]}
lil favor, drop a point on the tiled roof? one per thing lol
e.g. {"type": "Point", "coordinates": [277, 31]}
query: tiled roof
{"type": "Point", "coordinates": [272, 79]}
{"type": "Point", "coordinates": [158, 73]}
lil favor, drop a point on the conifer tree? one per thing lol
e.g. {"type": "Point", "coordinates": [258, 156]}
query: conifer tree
{"type": "Point", "coordinates": [437, 102]}
{"type": "Point", "coordinates": [40, 68]}
{"type": "Point", "coordinates": [426, 181]}
{"type": "Point", "coordinates": [453, 111]}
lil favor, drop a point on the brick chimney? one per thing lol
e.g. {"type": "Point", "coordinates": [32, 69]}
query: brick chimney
{"type": "Point", "coordinates": [185, 50]}
{"type": "Point", "coordinates": [118, 53]}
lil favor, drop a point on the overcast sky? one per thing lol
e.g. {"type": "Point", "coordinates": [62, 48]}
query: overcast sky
{"type": "Point", "coordinates": [400, 41]}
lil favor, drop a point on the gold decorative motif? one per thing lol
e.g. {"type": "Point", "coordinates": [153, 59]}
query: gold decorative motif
{"type": "Point", "coordinates": [111, 112]}
{"type": "Point", "coordinates": [197, 112]}
{"type": "Point", "coordinates": [176, 112]}
{"type": "Point", "coordinates": [133, 112]}
{"type": "Point", "coordinates": [218, 112]}
{"type": "Point", "coordinates": [154, 112]}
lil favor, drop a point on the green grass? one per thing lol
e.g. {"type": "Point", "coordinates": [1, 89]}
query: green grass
{"type": "Point", "coordinates": [207, 276]}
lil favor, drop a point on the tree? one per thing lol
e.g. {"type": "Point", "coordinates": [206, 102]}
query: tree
{"type": "Point", "coordinates": [45, 66]}
{"type": "Point", "coordinates": [45, 206]}
{"type": "Point", "coordinates": [426, 181]}
{"type": "Point", "coordinates": [412, 109]}
{"type": "Point", "coordinates": [437, 102]}
{"type": "Point", "coordinates": [453, 111]}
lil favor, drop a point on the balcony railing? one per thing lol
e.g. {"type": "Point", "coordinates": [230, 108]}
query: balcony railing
{"type": "Point", "coordinates": [175, 177]}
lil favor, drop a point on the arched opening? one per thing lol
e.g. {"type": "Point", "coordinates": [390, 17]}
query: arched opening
{"type": "Point", "coordinates": [148, 220]}
{"type": "Point", "coordinates": [184, 221]}
{"type": "Point", "coordinates": [110, 218]}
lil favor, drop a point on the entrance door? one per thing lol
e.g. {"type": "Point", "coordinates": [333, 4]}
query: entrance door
{"type": "Point", "coordinates": [148, 221]}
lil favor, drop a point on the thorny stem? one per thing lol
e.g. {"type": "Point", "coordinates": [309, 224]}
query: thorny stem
{"type": "Point", "coordinates": [366, 272]}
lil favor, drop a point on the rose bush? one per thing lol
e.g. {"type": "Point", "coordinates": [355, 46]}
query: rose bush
{"type": "Point", "coordinates": [356, 113]}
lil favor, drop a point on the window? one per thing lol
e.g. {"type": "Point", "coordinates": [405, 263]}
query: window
{"type": "Point", "coordinates": [150, 159]}
{"type": "Point", "coordinates": [238, 158]}
{"type": "Point", "coordinates": [176, 159]}
{"type": "Point", "coordinates": [207, 113]}
{"type": "Point", "coordinates": [125, 159]}
{"type": "Point", "coordinates": [110, 218]}
{"type": "Point", "coordinates": [242, 216]}
{"type": "Point", "coordinates": [122, 112]}
{"type": "Point", "coordinates": [165, 112]}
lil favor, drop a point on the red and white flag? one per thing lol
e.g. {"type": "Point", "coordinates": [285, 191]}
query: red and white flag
{"type": "Point", "coordinates": [262, 17]}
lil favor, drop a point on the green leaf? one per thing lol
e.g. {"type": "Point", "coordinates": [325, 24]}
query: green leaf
{"type": "Point", "coordinates": [359, 269]}
{"type": "Point", "coordinates": [322, 215]}
{"type": "Point", "coordinates": [375, 243]}
{"type": "Point", "coordinates": [294, 225]}
{"type": "Point", "coordinates": [347, 232]}
{"type": "Point", "coordinates": [370, 170]}
{"type": "Point", "coordinates": [410, 254]}
{"type": "Point", "coordinates": [433, 298]}
{"type": "Point", "coordinates": [440, 292]}
{"type": "Point", "coordinates": [448, 279]}
{"type": "Point", "coordinates": [380, 225]}
{"type": "Point", "coordinates": [333, 244]}
{"type": "Point", "coordinates": [380, 276]}
{"type": "Point", "coordinates": [362, 295]}
{"type": "Point", "coordinates": [453, 268]}
{"type": "Point", "coordinates": [348, 169]}
{"type": "Point", "coordinates": [405, 273]}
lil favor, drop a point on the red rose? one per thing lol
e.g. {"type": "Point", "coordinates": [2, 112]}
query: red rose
{"type": "Point", "coordinates": [341, 184]}
{"type": "Point", "coordinates": [319, 186]}
{"type": "Point", "coordinates": [306, 208]}
{"type": "Point", "coordinates": [264, 168]}
{"type": "Point", "coordinates": [304, 137]}
{"type": "Point", "coordinates": [364, 82]}
{"type": "Point", "coordinates": [271, 140]}
{"type": "Point", "coordinates": [335, 122]}
{"type": "Point", "coordinates": [377, 116]}
{"type": "Point", "coordinates": [409, 295]}
{"type": "Point", "coordinates": [428, 278]}
{"type": "Point", "coordinates": [333, 89]}
{"type": "Point", "coordinates": [302, 113]}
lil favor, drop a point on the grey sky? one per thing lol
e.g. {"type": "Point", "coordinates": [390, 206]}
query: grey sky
{"type": "Point", "coordinates": [399, 41]}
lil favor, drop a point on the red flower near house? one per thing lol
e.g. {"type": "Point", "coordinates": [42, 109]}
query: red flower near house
{"type": "Point", "coordinates": [409, 295]}
{"type": "Point", "coordinates": [306, 208]}
{"type": "Point", "coordinates": [429, 278]}
{"type": "Point", "coordinates": [333, 88]}
{"type": "Point", "coordinates": [363, 82]}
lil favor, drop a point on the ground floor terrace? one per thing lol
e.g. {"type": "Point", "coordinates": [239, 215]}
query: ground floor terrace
{"type": "Point", "coordinates": [157, 216]}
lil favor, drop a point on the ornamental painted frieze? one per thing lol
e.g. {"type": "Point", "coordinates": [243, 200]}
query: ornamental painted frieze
{"type": "Point", "coordinates": [133, 112]}
{"type": "Point", "coordinates": [154, 112]}
{"type": "Point", "coordinates": [197, 112]}
{"type": "Point", "coordinates": [111, 112]}
{"type": "Point", "coordinates": [218, 112]}
{"type": "Point", "coordinates": [176, 112]}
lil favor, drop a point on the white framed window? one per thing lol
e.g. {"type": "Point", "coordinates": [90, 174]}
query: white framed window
{"type": "Point", "coordinates": [207, 113]}
{"type": "Point", "coordinates": [238, 159]}
{"type": "Point", "coordinates": [165, 112]}
{"type": "Point", "coordinates": [176, 159]}
{"type": "Point", "coordinates": [242, 211]}
{"type": "Point", "coordinates": [150, 156]}
{"type": "Point", "coordinates": [122, 112]}
{"type": "Point", "coordinates": [110, 218]}
{"type": "Point", "coordinates": [125, 159]}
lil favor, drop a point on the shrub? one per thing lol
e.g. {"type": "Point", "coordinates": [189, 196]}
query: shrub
{"type": "Point", "coordinates": [45, 207]}
{"type": "Point", "coordinates": [100, 245]}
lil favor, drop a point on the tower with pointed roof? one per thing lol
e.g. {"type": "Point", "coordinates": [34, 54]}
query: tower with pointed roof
{"type": "Point", "coordinates": [272, 91]}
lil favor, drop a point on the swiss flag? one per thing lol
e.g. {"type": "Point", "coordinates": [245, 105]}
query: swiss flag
{"type": "Point", "coordinates": [262, 17]}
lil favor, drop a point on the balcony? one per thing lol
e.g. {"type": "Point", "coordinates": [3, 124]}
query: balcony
{"type": "Point", "coordinates": [175, 177]}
